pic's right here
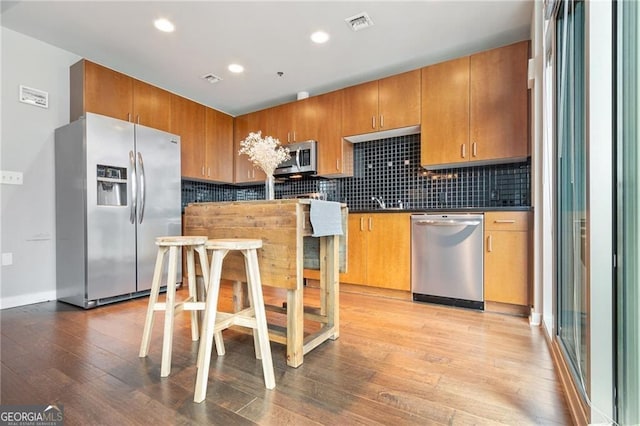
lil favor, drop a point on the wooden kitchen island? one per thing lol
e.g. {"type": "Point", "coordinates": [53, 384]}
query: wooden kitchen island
{"type": "Point", "coordinates": [282, 225]}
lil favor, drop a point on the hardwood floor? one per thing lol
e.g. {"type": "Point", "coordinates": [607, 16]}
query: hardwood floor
{"type": "Point", "coordinates": [396, 362]}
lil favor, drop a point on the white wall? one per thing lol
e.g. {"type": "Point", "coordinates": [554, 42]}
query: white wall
{"type": "Point", "coordinates": [537, 54]}
{"type": "Point", "coordinates": [28, 210]}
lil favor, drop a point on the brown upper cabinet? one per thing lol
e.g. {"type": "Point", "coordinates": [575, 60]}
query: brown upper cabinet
{"type": "Point", "coordinates": [151, 106]}
{"type": "Point", "coordinates": [97, 89]}
{"type": "Point", "coordinates": [335, 155]}
{"type": "Point", "coordinates": [219, 155]}
{"type": "Point", "coordinates": [386, 104]}
{"type": "Point", "coordinates": [188, 121]}
{"type": "Point", "coordinates": [294, 121]}
{"type": "Point", "coordinates": [245, 171]}
{"type": "Point", "coordinates": [476, 108]}
{"type": "Point", "coordinates": [206, 140]}
{"type": "Point", "coordinates": [316, 118]}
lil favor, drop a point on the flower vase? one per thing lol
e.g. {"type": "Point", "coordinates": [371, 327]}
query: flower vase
{"type": "Point", "coordinates": [269, 190]}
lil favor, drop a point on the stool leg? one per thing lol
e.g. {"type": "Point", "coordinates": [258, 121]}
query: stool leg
{"type": "Point", "coordinates": [191, 277]}
{"type": "Point", "coordinates": [250, 300]}
{"type": "Point", "coordinates": [219, 343]}
{"type": "Point", "coordinates": [169, 313]}
{"type": "Point", "coordinates": [255, 287]}
{"type": "Point", "coordinates": [208, 326]}
{"type": "Point", "coordinates": [204, 266]}
{"type": "Point", "coordinates": [201, 287]}
{"type": "Point", "coordinates": [153, 298]}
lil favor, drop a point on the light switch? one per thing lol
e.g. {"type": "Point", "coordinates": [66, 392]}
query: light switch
{"type": "Point", "coordinates": [11, 178]}
{"type": "Point", "coordinates": [7, 259]}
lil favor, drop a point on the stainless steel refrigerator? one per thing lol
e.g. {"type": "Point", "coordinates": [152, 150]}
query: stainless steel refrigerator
{"type": "Point", "coordinates": [117, 189]}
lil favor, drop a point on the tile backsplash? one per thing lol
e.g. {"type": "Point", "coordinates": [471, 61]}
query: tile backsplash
{"type": "Point", "coordinates": [390, 169]}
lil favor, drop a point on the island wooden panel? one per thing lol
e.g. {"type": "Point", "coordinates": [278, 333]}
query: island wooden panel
{"type": "Point", "coordinates": [282, 226]}
{"type": "Point", "coordinates": [275, 223]}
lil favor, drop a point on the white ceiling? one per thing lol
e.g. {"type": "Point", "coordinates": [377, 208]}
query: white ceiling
{"type": "Point", "coordinates": [267, 37]}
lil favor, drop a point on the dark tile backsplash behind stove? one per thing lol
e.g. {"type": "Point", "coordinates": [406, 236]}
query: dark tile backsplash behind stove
{"type": "Point", "coordinates": [390, 169]}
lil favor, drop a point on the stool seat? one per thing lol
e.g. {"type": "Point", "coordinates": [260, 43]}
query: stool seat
{"type": "Point", "coordinates": [171, 307]}
{"type": "Point", "coordinates": [180, 240]}
{"type": "Point", "coordinates": [233, 244]}
{"type": "Point", "coordinates": [253, 317]}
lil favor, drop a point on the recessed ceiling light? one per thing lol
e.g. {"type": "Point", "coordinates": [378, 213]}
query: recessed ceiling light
{"type": "Point", "coordinates": [236, 68]}
{"type": "Point", "coordinates": [164, 25]}
{"type": "Point", "coordinates": [320, 37]}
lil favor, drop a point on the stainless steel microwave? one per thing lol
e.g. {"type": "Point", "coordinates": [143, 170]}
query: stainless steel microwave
{"type": "Point", "coordinates": [303, 160]}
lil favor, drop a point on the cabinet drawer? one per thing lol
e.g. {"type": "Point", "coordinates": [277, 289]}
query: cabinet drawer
{"type": "Point", "coordinates": [506, 221]}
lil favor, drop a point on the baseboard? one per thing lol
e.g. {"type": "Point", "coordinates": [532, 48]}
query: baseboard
{"type": "Point", "coordinates": [27, 299]}
{"type": "Point", "coordinates": [578, 409]}
{"type": "Point", "coordinates": [535, 319]}
{"type": "Point", "coordinates": [506, 308]}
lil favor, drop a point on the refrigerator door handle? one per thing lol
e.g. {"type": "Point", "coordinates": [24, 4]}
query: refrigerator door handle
{"type": "Point", "coordinates": [134, 187]}
{"type": "Point", "coordinates": [143, 194]}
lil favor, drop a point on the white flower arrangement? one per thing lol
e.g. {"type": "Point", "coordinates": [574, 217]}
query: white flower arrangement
{"type": "Point", "coordinates": [265, 152]}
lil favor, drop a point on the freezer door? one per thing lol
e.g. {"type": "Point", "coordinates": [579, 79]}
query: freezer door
{"type": "Point", "coordinates": [110, 237]}
{"type": "Point", "coordinates": [159, 210]}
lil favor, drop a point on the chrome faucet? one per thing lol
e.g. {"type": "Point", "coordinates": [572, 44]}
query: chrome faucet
{"type": "Point", "coordinates": [380, 202]}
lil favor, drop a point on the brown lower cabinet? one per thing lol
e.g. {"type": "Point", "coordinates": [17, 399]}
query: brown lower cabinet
{"type": "Point", "coordinates": [506, 257]}
{"type": "Point", "coordinates": [379, 250]}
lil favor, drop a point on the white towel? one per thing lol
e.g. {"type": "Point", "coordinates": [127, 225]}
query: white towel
{"type": "Point", "coordinates": [326, 218]}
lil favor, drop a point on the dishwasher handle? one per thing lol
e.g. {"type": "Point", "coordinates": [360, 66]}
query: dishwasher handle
{"type": "Point", "coordinates": [447, 222]}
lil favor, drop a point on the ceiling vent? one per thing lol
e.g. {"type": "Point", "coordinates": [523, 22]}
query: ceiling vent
{"type": "Point", "coordinates": [359, 22]}
{"type": "Point", "coordinates": [211, 78]}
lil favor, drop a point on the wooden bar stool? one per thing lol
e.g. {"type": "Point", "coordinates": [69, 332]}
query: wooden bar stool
{"type": "Point", "coordinates": [170, 306]}
{"type": "Point", "coordinates": [253, 317]}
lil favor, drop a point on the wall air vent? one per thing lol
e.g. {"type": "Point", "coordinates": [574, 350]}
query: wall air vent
{"type": "Point", "coordinates": [211, 78]}
{"type": "Point", "coordinates": [359, 22]}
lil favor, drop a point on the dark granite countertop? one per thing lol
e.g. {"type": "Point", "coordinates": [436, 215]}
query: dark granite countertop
{"type": "Point", "coordinates": [449, 210]}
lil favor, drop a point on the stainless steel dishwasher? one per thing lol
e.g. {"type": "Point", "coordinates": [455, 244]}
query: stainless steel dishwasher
{"type": "Point", "coordinates": [447, 259]}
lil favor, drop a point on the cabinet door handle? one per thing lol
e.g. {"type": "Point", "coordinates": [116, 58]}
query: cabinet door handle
{"type": "Point", "coordinates": [381, 121]}
{"type": "Point", "coordinates": [475, 149]}
{"type": "Point", "coordinates": [504, 221]}
{"type": "Point", "coordinates": [373, 121]}
{"type": "Point", "coordinates": [294, 135]}
{"type": "Point", "coordinates": [362, 223]}
{"type": "Point", "coordinates": [463, 150]}
{"type": "Point", "coordinates": [489, 244]}
{"type": "Point", "coordinates": [208, 171]}
{"type": "Point", "coordinates": [129, 117]}
{"type": "Point", "coordinates": [337, 164]}
{"type": "Point", "coordinates": [370, 223]}
{"type": "Point", "coordinates": [288, 136]}
{"type": "Point", "coordinates": [138, 119]}
{"type": "Point", "coordinates": [202, 171]}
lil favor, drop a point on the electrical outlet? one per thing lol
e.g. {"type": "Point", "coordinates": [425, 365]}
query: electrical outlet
{"type": "Point", "coordinates": [442, 197]}
{"type": "Point", "coordinates": [494, 195]}
{"type": "Point", "coordinates": [11, 178]}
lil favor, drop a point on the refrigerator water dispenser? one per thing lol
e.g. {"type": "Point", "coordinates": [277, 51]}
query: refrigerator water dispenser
{"type": "Point", "coordinates": [111, 185]}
